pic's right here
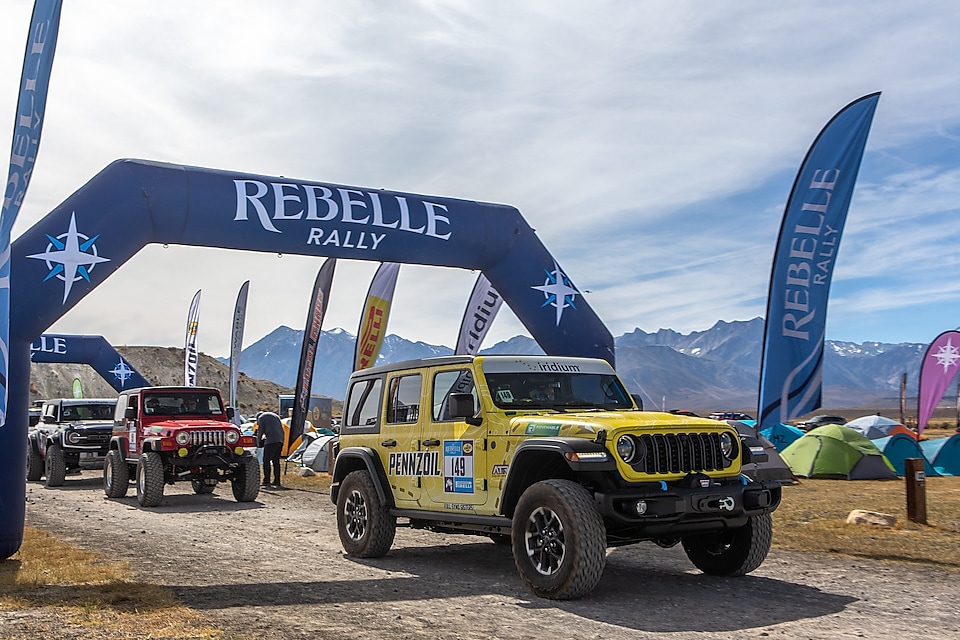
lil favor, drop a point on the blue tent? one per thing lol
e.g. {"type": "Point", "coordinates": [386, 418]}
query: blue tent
{"type": "Point", "coordinates": [943, 454]}
{"type": "Point", "coordinates": [781, 435]}
{"type": "Point", "coordinates": [898, 448]}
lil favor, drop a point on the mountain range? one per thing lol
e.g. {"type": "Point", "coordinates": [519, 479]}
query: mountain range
{"type": "Point", "coordinates": [716, 369]}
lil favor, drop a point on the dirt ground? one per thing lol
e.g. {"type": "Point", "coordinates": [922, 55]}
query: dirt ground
{"type": "Point", "coordinates": [274, 568]}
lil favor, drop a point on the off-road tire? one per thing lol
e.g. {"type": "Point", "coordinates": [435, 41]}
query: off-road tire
{"type": "Point", "coordinates": [116, 475]}
{"type": "Point", "coordinates": [55, 466]}
{"type": "Point", "coordinates": [559, 540]}
{"type": "Point", "coordinates": [246, 482]}
{"type": "Point", "coordinates": [35, 464]}
{"type": "Point", "coordinates": [201, 486]}
{"type": "Point", "coordinates": [732, 553]}
{"type": "Point", "coordinates": [366, 528]}
{"type": "Point", "coordinates": [150, 479]}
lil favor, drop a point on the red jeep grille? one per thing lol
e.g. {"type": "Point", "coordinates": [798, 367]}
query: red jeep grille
{"type": "Point", "coordinates": [201, 438]}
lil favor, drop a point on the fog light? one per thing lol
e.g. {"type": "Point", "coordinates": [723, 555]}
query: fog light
{"type": "Point", "coordinates": [238, 451]}
{"type": "Point", "coordinates": [640, 506]}
{"type": "Point", "coordinates": [182, 452]}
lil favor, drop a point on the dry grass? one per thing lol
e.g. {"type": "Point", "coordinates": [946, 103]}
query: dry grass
{"type": "Point", "coordinates": [57, 588]}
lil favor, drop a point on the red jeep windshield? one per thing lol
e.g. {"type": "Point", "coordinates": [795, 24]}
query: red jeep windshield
{"type": "Point", "coordinates": [182, 404]}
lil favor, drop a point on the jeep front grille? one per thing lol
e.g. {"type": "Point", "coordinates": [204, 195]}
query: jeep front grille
{"type": "Point", "coordinates": [201, 438]}
{"type": "Point", "coordinates": [680, 453]}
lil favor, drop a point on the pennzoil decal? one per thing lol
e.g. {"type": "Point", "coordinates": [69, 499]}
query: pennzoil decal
{"type": "Point", "coordinates": [542, 429]}
{"type": "Point", "coordinates": [414, 463]}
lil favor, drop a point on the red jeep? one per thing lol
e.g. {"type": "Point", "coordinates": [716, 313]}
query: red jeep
{"type": "Point", "coordinates": [166, 434]}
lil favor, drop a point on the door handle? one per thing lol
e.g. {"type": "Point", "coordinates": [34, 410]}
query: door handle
{"type": "Point", "coordinates": [431, 443]}
{"type": "Point", "coordinates": [388, 443]}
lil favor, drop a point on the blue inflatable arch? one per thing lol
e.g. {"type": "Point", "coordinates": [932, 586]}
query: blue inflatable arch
{"type": "Point", "coordinates": [92, 350]}
{"type": "Point", "coordinates": [132, 203]}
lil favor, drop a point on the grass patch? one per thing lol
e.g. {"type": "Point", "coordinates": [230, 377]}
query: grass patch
{"type": "Point", "coordinates": [813, 517]}
{"type": "Point", "coordinates": [55, 586]}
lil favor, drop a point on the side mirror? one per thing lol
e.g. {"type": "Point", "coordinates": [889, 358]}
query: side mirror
{"type": "Point", "coordinates": [130, 413]}
{"type": "Point", "coordinates": [636, 398]}
{"type": "Point", "coordinates": [461, 405]}
{"type": "Point", "coordinates": [49, 419]}
{"type": "Point", "coordinates": [230, 413]}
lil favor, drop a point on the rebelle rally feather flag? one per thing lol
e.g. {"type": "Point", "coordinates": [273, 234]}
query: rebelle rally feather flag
{"type": "Point", "coordinates": [481, 309]}
{"type": "Point", "coordinates": [190, 343]}
{"type": "Point", "coordinates": [791, 368]}
{"type": "Point", "coordinates": [308, 350]}
{"type": "Point", "coordinates": [236, 346]}
{"type": "Point", "coordinates": [937, 369]}
{"type": "Point", "coordinates": [376, 312]}
{"type": "Point", "coordinates": [27, 126]}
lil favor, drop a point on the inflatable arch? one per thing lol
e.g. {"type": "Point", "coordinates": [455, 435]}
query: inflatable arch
{"type": "Point", "coordinates": [132, 203]}
{"type": "Point", "coordinates": [92, 350]}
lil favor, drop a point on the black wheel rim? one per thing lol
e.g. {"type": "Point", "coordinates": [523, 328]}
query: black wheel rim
{"type": "Point", "coordinates": [544, 541]}
{"type": "Point", "coordinates": [355, 515]}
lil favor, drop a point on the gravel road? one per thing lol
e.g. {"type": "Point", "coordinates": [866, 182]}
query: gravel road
{"type": "Point", "coordinates": [274, 568]}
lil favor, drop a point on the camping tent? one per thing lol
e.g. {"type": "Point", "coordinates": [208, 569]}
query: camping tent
{"type": "Point", "coordinates": [781, 435]}
{"type": "Point", "coordinates": [943, 454]}
{"type": "Point", "coordinates": [833, 451]}
{"type": "Point", "coordinates": [898, 447]}
{"type": "Point", "coordinates": [774, 468]}
{"type": "Point", "coordinates": [313, 452]}
{"type": "Point", "coordinates": [877, 426]}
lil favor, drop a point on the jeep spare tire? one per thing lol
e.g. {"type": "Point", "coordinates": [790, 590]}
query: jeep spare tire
{"type": "Point", "coordinates": [366, 528]}
{"type": "Point", "coordinates": [34, 464]}
{"type": "Point", "coordinates": [150, 479]}
{"type": "Point", "coordinates": [559, 540]}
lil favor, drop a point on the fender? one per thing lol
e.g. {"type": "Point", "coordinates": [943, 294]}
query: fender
{"type": "Point", "coordinates": [354, 458]}
{"type": "Point", "coordinates": [565, 451]}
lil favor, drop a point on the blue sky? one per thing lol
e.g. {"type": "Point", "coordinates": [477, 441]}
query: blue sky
{"type": "Point", "coordinates": [651, 144]}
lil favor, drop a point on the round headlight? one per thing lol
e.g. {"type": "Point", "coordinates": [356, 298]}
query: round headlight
{"type": "Point", "coordinates": [232, 436]}
{"type": "Point", "coordinates": [73, 437]}
{"type": "Point", "coordinates": [728, 446]}
{"type": "Point", "coordinates": [627, 448]}
{"type": "Point", "coordinates": [183, 438]}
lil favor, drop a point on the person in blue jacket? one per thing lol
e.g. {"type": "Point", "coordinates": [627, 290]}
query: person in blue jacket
{"type": "Point", "coordinates": [270, 436]}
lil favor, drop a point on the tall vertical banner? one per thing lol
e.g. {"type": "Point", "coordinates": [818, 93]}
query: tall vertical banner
{"type": "Point", "coordinates": [27, 126]}
{"type": "Point", "coordinates": [308, 351]}
{"type": "Point", "coordinates": [481, 309]}
{"type": "Point", "coordinates": [376, 312]}
{"type": "Point", "coordinates": [903, 398]}
{"type": "Point", "coordinates": [236, 346]}
{"type": "Point", "coordinates": [937, 370]}
{"type": "Point", "coordinates": [190, 356]}
{"type": "Point", "coordinates": [791, 368]}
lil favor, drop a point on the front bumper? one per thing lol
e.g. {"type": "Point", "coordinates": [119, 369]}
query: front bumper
{"type": "Point", "coordinates": [695, 504]}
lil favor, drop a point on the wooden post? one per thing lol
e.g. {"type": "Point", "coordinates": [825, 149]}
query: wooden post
{"type": "Point", "coordinates": [916, 490]}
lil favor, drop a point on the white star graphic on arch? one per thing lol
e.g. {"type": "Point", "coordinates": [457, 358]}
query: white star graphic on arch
{"type": "Point", "coordinates": [122, 371]}
{"type": "Point", "coordinates": [947, 355]}
{"type": "Point", "coordinates": [70, 257]}
{"type": "Point", "coordinates": [558, 291]}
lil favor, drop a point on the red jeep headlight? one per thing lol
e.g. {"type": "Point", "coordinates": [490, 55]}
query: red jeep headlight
{"type": "Point", "coordinates": [232, 436]}
{"type": "Point", "coordinates": [183, 438]}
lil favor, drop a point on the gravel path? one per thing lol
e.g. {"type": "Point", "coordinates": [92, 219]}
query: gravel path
{"type": "Point", "coordinates": [274, 568]}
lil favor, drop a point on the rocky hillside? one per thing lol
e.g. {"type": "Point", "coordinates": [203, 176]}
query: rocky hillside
{"type": "Point", "coordinates": [162, 366]}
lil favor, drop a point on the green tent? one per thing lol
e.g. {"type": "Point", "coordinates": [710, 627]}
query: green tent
{"type": "Point", "coordinates": [833, 451]}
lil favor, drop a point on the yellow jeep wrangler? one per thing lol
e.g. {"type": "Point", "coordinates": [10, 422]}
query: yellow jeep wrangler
{"type": "Point", "coordinates": [549, 454]}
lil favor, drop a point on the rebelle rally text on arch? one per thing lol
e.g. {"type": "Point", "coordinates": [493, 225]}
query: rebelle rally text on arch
{"type": "Point", "coordinates": [292, 201]}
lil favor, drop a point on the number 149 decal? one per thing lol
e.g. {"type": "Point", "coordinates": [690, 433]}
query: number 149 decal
{"type": "Point", "coordinates": [458, 466]}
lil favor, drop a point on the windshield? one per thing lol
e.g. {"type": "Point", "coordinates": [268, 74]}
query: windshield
{"type": "Point", "coordinates": [557, 391]}
{"type": "Point", "coordinates": [101, 411]}
{"type": "Point", "coordinates": [176, 404]}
